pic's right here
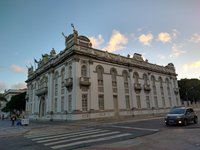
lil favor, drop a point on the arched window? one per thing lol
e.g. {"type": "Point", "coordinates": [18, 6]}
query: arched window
{"type": "Point", "coordinates": [153, 80]}
{"type": "Point", "coordinates": [162, 91]}
{"type": "Point", "coordinates": [84, 71]}
{"type": "Point", "coordinates": [160, 81]}
{"type": "Point", "coordinates": [113, 73]}
{"type": "Point", "coordinates": [62, 80]}
{"type": "Point", "coordinates": [56, 83]}
{"type": "Point", "coordinates": [100, 72]}
{"type": "Point", "coordinates": [145, 79]}
{"type": "Point", "coordinates": [168, 86]}
{"type": "Point", "coordinates": [168, 91]}
{"type": "Point", "coordinates": [70, 71]}
{"type": "Point", "coordinates": [136, 77]}
{"type": "Point", "coordinates": [125, 76]}
{"type": "Point", "coordinates": [126, 88]}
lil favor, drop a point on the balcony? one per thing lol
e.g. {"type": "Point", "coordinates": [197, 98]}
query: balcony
{"type": "Point", "coordinates": [41, 91]}
{"type": "Point", "coordinates": [147, 87]}
{"type": "Point", "coordinates": [176, 90]}
{"type": "Point", "coordinates": [68, 82]}
{"type": "Point", "coordinates": [137, 86]}
{"type": "Point", "coordinates": [85, 81]}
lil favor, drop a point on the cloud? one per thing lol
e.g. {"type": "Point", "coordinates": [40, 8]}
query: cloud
{"type": "Point", "coordinates": [174, 33]}
{"type": "Point", "coordinates": [19, 86]}
{"type": "Point", "coordinates": [146, 39]}
{"type": "Point", "coordinates": [161, 56]}
{"type": "Point", "coordinates": [2, 86]}
{"type": "Point", "coordinates": [195, 38]}
{"type": "Point", "coordinates": [96, 42]}
{"type": "Point", "coordinates": [193, 65]}
{"type": "Point", "coordinates": [176, 51]}
{"type": "Point", "coordinates": [164, 37]}
{"type": "Point", "coordinates": [17, 69]}
{"type": "Point", "coordinates": [116, 42]}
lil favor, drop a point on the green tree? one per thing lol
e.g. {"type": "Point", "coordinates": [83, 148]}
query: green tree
{"type": "Point", "coordinates": [17, 102]}
{"type": "Point", "coordinates": [189, 89]}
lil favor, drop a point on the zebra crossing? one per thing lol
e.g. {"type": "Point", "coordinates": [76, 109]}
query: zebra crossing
{"type": "Point", "coordinates": [77, 139]}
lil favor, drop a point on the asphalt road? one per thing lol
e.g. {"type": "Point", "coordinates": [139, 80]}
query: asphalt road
{"type": "Point", "coordinates": [63, 136]}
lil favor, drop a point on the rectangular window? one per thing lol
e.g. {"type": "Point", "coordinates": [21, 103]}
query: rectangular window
{"type": "Point", "coordinates": [55, 105]}
{"type": "Point", "coordinates": [162, 91]}
{"type": "Point", "coordinates": [154, 90]}
{"type": "Point", "coordinates": [56, 89]}
{"type": "Point", "coordinates": [100, 89]}
{"type": "Point", "coordinates": [62, 104]}
{"type": "Point", "coordinates": [170, 101]}
{"type": "Point", "coordinates": [62, 90]}
{"type": "Point", "coordinates": [114, 83]}
{"type": "Point", "coordinates": [100, 82]}
{"type": "Point", "coordinates": [84, 102]}
{"type": "Point", "coordinates": [115, 90]}
{"type": "Point", "coordinates": [127, 102]}
{"type": "Point", "coordinates": [148, 102]}
{"type": "Point", "coordinates": [125, 84]}
{"type": "Point", "coordinates": [126, 91]}
{"type": "Point", "coordinates": [138, 101]}
{"type": "Point", "coordinates": [163, 102]}
{"type": "Point", "coordinates": [168, 90]}
{"type": "Point", "coordinates": [101, 102]}
{"type": "Point", "coordinates": [177, 102]}
{"type": "Point", "coordinates": [70, 103]}
{"type": "Point", "coordinates": [156, 101]}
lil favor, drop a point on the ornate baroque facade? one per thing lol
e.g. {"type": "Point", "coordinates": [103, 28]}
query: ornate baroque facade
{"type": "Point", "coordinates": [82, 82]}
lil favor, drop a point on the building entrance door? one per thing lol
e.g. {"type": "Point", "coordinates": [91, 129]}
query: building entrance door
{"type": "Point", "coordinates": [115, 102]}
{"type": "Point", "coordinates": [42, 107]}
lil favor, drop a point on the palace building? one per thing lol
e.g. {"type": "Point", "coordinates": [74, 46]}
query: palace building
{"type": "Point", "coordinates": [82, 82]}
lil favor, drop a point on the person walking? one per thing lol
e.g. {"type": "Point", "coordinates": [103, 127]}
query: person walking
{"type": "Point", "coordinates": [13, 119]}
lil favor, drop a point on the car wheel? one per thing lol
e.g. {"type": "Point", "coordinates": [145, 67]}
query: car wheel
{"type": "Point", "coordinates": [185, 122]}
{"type": "Point", "coordinates": [195, 120]}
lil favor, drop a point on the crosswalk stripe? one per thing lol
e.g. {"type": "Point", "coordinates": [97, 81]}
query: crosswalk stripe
{"type": "Point", "coordinates": [49, 134]}
{"type": "Point", "coordinates": [70, 136]}
{"type": "Point", "coordinates": [125, 127]}
{"type": "Point", "coordinates": [80, 138]}
{"type": "Point", "coordinates": [65, 134]}
{"type": "Point", "coordinates": [92, 140]}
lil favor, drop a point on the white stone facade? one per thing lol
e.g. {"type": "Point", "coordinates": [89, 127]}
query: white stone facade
{"type": "Point", "coordinates": [82, 82]}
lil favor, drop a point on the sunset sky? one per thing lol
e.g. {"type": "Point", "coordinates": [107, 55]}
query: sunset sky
{"type": "Point", "coordinates": [163, 31]}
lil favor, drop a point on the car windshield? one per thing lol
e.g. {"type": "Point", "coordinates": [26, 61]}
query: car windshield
{"type": "Point", "coordinates": [177, 111]}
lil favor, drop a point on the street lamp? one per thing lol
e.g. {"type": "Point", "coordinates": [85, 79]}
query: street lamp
{"type": "Point", "coordinates": [186, 93]}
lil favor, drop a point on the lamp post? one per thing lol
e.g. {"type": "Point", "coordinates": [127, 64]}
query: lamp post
{"type": "Point", "coordinates": [186, 93]}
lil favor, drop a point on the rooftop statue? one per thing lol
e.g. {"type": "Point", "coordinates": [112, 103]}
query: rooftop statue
{"type": "Point", "coordinates": [53, 53]}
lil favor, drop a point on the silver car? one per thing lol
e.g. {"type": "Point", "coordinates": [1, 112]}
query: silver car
{"type": "Point", "coordinates": [181, 116]}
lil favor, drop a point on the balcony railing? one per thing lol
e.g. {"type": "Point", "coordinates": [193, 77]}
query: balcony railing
{"type": "Point", "coordinates": [137, 86]}
{"type": "Point", "coordinates": [85, 81]}
{"type": "Point", "coordinates": [147, 87]}
{"type": "Point", "coordinates": [68, 82]}
{"type": "Point", "coordinates": [41, 91]}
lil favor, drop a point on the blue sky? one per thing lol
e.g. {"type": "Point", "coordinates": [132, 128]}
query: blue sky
{"type": "Point", "coordinates": [162, 31]}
